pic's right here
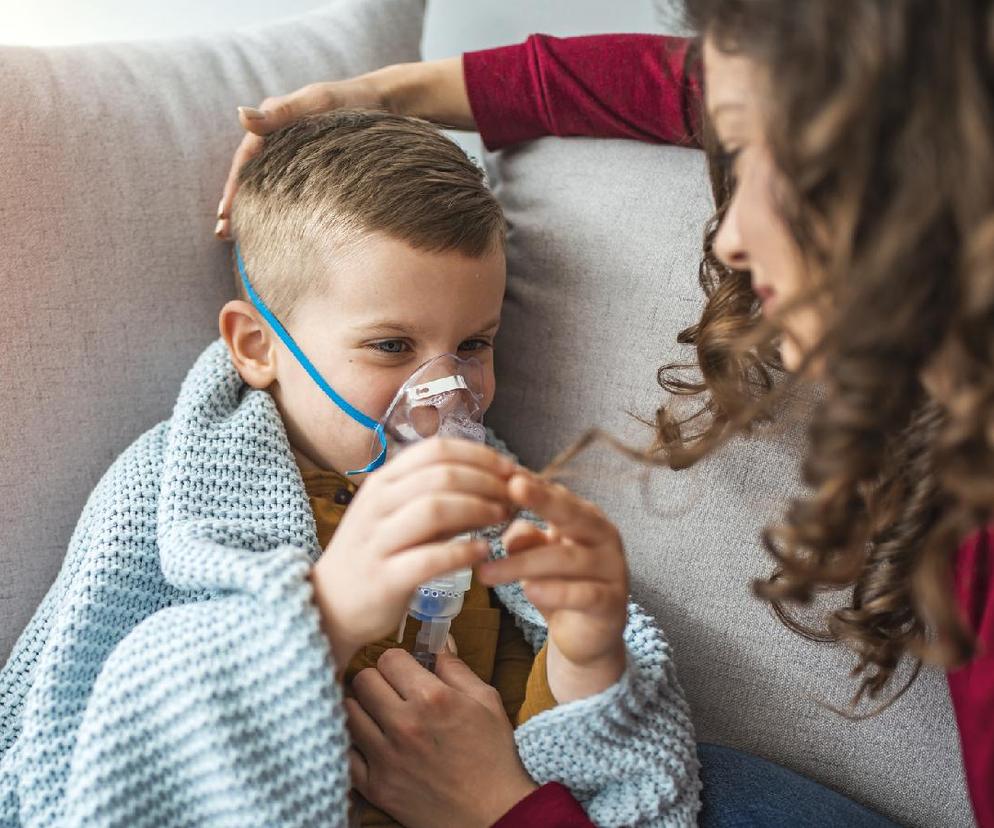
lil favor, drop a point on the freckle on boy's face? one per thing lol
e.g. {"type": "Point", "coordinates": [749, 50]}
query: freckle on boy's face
{"type": "Point", "coordinates": [387, 308]}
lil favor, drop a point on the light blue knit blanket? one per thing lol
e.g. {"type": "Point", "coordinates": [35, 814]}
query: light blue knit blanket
{"type": "Point", "coordinates": [175, 673]}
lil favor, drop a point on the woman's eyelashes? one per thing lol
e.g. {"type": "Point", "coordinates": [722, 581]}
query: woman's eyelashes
{"type": "Point", "coordinates": [727, 159]}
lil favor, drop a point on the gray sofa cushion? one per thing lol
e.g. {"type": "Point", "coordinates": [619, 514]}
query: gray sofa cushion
{"type": "Point", "coordinates": [603, 249]}
{"type": "Point", "coordinates": [112, 159]}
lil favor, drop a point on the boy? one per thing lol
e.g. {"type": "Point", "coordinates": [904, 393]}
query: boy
{"type": "Point", "coordinates": [229, 569]}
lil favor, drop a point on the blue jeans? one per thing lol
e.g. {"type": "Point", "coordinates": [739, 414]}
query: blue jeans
{"type": "Point", "coordinates": [744, 791]}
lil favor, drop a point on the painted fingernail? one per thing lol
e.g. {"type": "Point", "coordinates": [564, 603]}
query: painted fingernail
{"type": "Point", "coordinates": [219, 229]}
{"type": "Point", "coordinates": [220, 209]}
{"type": "Point", "coordinates": [252, 113]}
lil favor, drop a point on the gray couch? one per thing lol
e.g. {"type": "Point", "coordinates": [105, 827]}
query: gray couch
{"type": "Point", "coordinates": [111, 161]}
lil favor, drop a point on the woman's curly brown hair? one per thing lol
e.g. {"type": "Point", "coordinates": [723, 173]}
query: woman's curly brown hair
{"type": "Point", "coordinates": [881, 119]}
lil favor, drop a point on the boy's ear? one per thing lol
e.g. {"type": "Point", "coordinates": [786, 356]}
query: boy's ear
{"type": "Point", "coordinates": [250, 343]}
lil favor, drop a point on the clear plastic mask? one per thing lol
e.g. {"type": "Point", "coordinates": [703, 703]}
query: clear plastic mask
{"type": "Point", "coordinates": [441, 398]}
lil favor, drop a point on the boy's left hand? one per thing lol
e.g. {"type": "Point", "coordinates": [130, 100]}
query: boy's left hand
{"type": "Point", "coordinates": [575, 573]}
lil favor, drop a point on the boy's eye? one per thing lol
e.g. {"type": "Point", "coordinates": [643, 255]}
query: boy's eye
{"type": "Point", "coordinates": [390, 346]}
{"type": "Point", "coordinates": [474, 345]}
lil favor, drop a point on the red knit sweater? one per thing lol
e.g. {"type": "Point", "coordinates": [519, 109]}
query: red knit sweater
{"type": "Point", "coordinates": [637, 86]}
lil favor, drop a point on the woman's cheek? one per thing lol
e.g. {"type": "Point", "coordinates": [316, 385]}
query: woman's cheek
{"type": "Point", "coordinates": [802, 332]}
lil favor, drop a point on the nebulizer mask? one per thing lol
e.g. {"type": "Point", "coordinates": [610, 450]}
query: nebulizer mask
{"type": "Point", "coordinates": [441, 398]}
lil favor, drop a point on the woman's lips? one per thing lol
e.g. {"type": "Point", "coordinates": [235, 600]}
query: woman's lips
{"type": "Point", "coordinates": [764, 293]}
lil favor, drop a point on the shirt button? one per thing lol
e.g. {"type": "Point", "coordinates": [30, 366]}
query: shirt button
{"type": "Point", "coordinates": [343, 497]}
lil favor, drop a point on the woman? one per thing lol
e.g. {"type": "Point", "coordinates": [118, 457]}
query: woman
{"type": "Point", "coordinates": [852, 150]}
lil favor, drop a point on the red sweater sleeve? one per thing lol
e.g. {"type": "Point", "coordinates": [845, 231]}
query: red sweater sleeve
{"type": "Point", "coordinates": [604, 86]}
{"type": "Point", "coordinates": [972, 686]}
{"type": "Point", "coordinates": [551, 806]}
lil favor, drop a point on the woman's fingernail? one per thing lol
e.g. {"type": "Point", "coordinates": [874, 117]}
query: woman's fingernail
{"type": "Point", "coordinates": [252, 113]}
{"type": "Point", "coordinates": [220, 209]}
{"type": "Point", "coordinates": [219, 229]}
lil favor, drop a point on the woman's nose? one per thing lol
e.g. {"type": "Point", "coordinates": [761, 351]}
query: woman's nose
{"type": "Point", "coordinates": [728, 244]}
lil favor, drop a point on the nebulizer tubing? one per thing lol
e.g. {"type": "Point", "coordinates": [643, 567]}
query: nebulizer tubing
{"type": "Point", "coordinates": [336, 398]}
{"type": "Point", "coordinates": [441, 398]}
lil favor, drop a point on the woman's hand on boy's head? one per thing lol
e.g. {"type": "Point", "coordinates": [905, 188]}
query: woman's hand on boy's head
{"type": "Point", "coordinates": [576, 575]}
{"type": "Point", "coordinates": [397, 533]}
{"type": "Point", "coordinates": [275, 113]}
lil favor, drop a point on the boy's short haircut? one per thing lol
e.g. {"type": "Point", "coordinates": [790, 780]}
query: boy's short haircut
{"type": "Point", "coordinates": [327, 180]}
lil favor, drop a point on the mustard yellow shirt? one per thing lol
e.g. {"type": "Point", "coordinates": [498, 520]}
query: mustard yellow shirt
{"type": "Point", "coordinates": [486, 637]}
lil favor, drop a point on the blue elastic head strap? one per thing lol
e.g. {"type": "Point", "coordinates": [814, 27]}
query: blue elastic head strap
{"type": "Point", "coordinates": [281, 332]}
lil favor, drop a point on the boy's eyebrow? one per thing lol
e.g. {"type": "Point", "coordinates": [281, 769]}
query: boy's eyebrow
{"type": "Point", "coordinates": [386, 326]}
{"type": "Point", "coordinates": [393, 326]}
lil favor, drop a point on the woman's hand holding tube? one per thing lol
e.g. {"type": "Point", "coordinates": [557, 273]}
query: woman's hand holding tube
{"type": "Point", "coordinates": [433, 749]}
{"type": "Point", "coordinates": [576, 575]}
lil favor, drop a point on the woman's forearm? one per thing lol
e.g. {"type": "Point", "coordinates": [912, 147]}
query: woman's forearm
{"type": "Point", "coordinates": [434, 90]}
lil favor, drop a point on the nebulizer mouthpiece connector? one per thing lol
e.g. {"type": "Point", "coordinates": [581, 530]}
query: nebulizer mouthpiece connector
{"type": "Point", "coordinates": [435, 603]}
{"type": "Point", "coordinates": [441, 398]}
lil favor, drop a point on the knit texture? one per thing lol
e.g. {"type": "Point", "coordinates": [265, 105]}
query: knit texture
{"type": "Point", "coordinates": [175, 674]}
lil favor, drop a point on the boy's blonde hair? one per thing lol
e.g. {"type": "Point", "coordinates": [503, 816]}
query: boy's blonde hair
{"type": "Point", "coordinates": [327, 180]}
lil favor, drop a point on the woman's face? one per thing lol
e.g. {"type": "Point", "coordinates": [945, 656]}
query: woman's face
{"type": "Point", "coordinates": [753, 235]}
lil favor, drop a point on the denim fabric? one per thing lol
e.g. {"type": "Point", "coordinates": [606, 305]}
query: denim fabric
{"type": "Point", "coordinates": [744, 791]}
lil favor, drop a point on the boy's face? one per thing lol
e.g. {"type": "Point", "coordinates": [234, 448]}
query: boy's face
{"type": "Point", "coordinates": [386, 309]}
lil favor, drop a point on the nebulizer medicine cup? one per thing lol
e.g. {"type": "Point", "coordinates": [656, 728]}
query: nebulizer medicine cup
{"type": "Point", "coordinates": [441, 398]}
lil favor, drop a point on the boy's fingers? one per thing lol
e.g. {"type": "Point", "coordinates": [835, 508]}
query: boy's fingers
{"type": "Point", "coordinates": [422, 563]}
{"type": "Point", "coordinates": [448, 450]}
{"type": "Point", "coordinates": [458, 478]}
{"type": "Point", "coordinates": [572, 516]}
{"type": "Point", "coordinates": [521, 535]}
{"type": "Point", "coordinates": [566, 561]}
{"type": "Point", "coordinates": [435, 516]}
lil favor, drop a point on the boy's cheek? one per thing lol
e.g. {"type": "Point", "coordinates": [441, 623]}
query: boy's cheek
{"type": "Point", "coordinates": [489, 389]}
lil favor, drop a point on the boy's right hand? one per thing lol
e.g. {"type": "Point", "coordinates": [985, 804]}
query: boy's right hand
{"type": "Point", "coordinates": [397, 534]}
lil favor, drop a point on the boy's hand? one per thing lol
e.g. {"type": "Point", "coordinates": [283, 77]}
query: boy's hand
{"type": "Point", "coordinates": [397, 534]}
{"type": "Point", "coordinates": [576, 575]}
